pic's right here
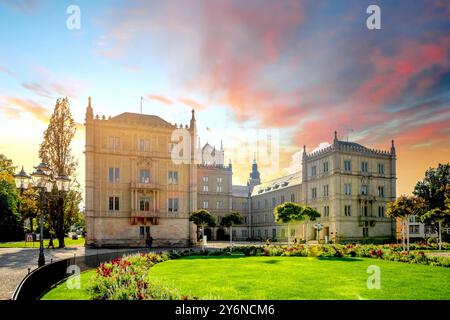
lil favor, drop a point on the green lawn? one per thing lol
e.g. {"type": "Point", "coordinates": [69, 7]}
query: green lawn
{"type": "Point", "coordinates": [239, 277]}
{"type": "Point", "coordinates": [23, 244]}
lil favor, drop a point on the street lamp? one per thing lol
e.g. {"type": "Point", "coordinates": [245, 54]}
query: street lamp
{"type": "Point", "coordinates": [22, 180]}
{"type": "Point", "coordinates": [41, 182]}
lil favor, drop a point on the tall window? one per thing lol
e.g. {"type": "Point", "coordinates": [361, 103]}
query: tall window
{"type": "Point", "coordinates": [114, 203]}
{"type": "Point", "coordinates": [347, 189]}
{"type": "Point", "coordinates": [144, 145]}
{"type": "Point", "coordinates": [144, 204]}
{"type": "Point", "coordinates": [347, 210]}
{"type": "Point", "coordinates": [314, 193]}
{"type": "Point", "coordinates": [173, 205]}
{"type": "Point", "coordinates": [381, 211]}
{"type": "Point", "coordinates": [173, 177]}
{"type": "Point", "coordinates": [205, 179]}
{"type": "Point", "coordinates": [205, 188]}
{"type": "Point", "coordinates": [219, 204]}
{"type": "Point", "coordinates": [325, 190]}
{"type": "Point", "coordinates": [144, 176]}
{"type": "Point", "coordinates": [364, 189]}
{"type": "Point", "coordinates": [365, 232]}
{"type": "Point", "coordinates": [265, 203]}
{"type": "Point", "coordinates": [274, 202]}
{"type": "Point", "coordinates": [292, 197]}
{"type": "Point", "coordinates": [364, 211]}
{"type": "Point", "coordinates": [364, 166]}
{"type": "Point", "coordinates": [380, 191]}
{"type": "Point", "coordinates": [113, 174]}
{"type": "Point", "coordinates": [326, 211]}
{"type": "Point", "coordinates": [219, 179]}
{"type": "Point", "coordinates": [325, 166]}
{"type": "Point", "coordinates": [114, 143]}
{"type": "Point", "coordinates": [313, 171]}
{"type": "Point", "coordinates": [205, 204]}
{"type": "Point", "coordinates": [219, 188]}
{"type": "Point", "coordinates": [381, 168]}
{"type": "Point", "coordinates": [282, 199]}
{"type": "Point", "coordinates": [347, 165]}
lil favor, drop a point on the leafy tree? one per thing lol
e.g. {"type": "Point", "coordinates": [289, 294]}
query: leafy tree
{"type": "Point", "coordinates": [288, 212]}
{"type": "Point", "coordinates": [29, 206]}
{"type": "Point", "coordinates": [202, 218]}
{"type": "Point", "coordinates": [310, 214]}
{"type": "Point", "coordinates": [55, 150]}
{"type": "Point", "coordinates": [10, 226]}
{"type": "Point", "coordinates": [403, 208]}
{"type": "Point", "coordinates": [433, 187]}
{"type": "Point", "coordinates": [230, 220]}
{"type": "Point", "coordinates": [6, 166]}
{"type": "Point", "coordinates": [441, 216]}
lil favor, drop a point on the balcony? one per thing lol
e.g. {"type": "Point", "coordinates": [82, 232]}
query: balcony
{"type": "Point", "coordinates": [145, 186]}
{"type": "Point", "coordinates": [146, 214]}
{"type": "Point", "coordinates": [365, 197]}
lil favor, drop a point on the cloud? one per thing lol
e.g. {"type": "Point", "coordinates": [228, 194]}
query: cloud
{"type": "Point", "coordinates": [192, 104]}
{"type": "Point", "coordinates": [160, 98]}
{"type": "Point", "coordinates": [23, 6]}
{"type": "Point", "coordinates": [14, 106]}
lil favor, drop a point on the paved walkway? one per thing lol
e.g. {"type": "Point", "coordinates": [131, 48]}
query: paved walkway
{"type": "Point", "coordinates": [15, 262]}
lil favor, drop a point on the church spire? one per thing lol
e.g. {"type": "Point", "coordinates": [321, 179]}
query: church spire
{"type": "Point", "coordinates": [89, 110]}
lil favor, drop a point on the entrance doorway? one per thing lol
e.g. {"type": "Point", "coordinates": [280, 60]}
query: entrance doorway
{"type": "Point", "coordinates": [220, 235]}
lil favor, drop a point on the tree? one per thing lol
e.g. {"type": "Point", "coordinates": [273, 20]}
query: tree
{"type": "Point", "coordinates": [10, 224]}
{"type": "Point", "coordinates": [10, 227]}
{"type": "Point", "coordinates": [202, 218]}
{"type": "Point", "coordinates": [55, 150]}
{"type": "Point", "coordinates": [288, 212]}
{"type": "Point", "coordinates": [441, 216]}
{"type": "Point", "coordinates": [232, 219]}
{"type": "Point", "coordinates": [433, 187]}
{"type": "Point", "coordinates": [403, 208]}
{"type": "Point", "coordinates": [29, 206]}
{"type": "Point", "coordinates": [310, 214]}
{"type": "Point", "coordinates": [6, 166]}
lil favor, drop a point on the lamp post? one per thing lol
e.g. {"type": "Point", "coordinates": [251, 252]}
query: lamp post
{"type": "Point", "coordinates": [41, 180]}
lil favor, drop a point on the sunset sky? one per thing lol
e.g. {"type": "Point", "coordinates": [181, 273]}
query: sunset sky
{"type": "Point", "coordinates": [304, 68]}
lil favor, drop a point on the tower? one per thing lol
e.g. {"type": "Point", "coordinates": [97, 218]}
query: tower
{"type": "Point", "coordinates": [89, 163]}
{"type": "Point", "coordinates": [254, 177]}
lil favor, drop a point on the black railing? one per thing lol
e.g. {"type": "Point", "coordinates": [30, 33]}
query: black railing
{"type": "Point", "coordinates": [42, 279]}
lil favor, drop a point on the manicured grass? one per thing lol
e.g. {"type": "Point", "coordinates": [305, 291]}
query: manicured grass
{"type": "Point", "coordinates": [301, 278]}
{"type": "Point", "coordinates": [23, 244]}
{"type": "Point", "coordinates": [62, 292]}
{"type": "Point", "coordinates": [239, 277]}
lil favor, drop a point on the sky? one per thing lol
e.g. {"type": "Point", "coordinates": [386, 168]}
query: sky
{"type": "Point", "coordinates": [292, 70]}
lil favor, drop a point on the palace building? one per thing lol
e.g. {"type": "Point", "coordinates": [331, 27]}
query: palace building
{"type": "Point", "coordinates": [135, 189]}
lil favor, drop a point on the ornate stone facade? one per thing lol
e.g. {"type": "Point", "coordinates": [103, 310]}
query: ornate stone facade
{"type": "Point", "coordinates": [135, 190]}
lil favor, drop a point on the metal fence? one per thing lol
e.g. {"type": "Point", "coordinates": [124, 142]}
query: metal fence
{"type": "Point", "coordinates": [42, 279]}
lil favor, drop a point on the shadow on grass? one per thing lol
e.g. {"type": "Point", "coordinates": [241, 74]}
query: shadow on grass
{"type": "Point", "coordinates": [272, 261]}
{"type": "Point", "coordinates": [345, 259]}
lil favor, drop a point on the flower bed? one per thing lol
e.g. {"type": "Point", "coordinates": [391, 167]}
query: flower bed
{"type": "Point", "coordinates": [386, 252]}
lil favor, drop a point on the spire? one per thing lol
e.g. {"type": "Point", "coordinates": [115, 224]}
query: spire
{"type": "Point", "coordinates": [335, 141]}
{"type": "Point", "coordinates": [254, 157]}
{"type": "Point", "coordinates": [392, 147]}
{"type": "Point", "coordinates": [89, 110]}
{"type": "Point", "coordinates": [192, 124]}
